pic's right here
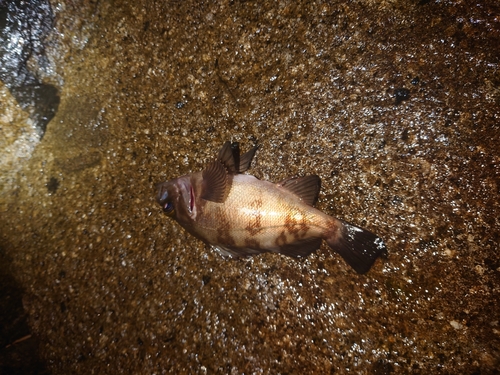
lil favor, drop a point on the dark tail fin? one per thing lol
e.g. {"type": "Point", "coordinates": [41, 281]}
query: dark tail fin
{"type": "Point", "coordinates": [359, 247]}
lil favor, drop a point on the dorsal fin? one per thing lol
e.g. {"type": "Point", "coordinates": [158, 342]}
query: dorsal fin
{"type": "Point", "coordinates": [226, 157]}
{"type": "Point", "coordinates": [306, 188]}
{"type": "Point", "coordinates": [215, 181]}
{"type": "Point", "coordinates": [229, 156]}
{"type": "Point", "coordinates": [246, 159]}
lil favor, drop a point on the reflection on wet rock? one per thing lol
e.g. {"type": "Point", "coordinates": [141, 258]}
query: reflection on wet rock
{"type": "Point", "coordinates": [24, 26]}
{"type": "Point", "coordinates": [79, 162]}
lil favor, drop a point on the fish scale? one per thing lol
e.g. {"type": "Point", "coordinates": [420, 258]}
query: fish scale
{"type": "Point", "coordinates": [240, 215]}
{"type": "Point", "coordinates": [258, 211]}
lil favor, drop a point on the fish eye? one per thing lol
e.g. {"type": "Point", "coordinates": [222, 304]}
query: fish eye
{"type": "Point", "coordinates": [168, 208]}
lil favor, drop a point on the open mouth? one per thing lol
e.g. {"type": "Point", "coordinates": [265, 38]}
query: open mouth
{"type": "Point", "coordinates": [161, 193]}
{"type": "Point", "coordinates": [191, 199]}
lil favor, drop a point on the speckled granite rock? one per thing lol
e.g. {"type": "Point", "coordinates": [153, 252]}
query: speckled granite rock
{"type": "Point", "coordinates": [394, 104]}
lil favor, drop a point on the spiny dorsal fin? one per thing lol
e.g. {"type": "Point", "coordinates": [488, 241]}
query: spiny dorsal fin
{"type": "Point", "coordinates": [227, 157]}
{"type": "Point", "coordinates": [215, 180]}
{"type": "Point", "coordinates": [246, 159]}
{"type": "Point", "coordinates": [306, 188]}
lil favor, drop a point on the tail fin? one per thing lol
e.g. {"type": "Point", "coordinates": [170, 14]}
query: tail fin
{"type": "Point", "coordinates": [359, 247]}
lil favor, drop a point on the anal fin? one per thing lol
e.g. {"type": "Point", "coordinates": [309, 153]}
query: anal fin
{"type": "Point", "coordinates": [300, 248]}
{"type": "Point", "coordinates": [297, 249]}
{"type": "Point", "coordinates": [236, 252]}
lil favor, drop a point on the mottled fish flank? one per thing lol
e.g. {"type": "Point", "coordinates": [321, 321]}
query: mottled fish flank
{"type": "Point", "coordinates": [240, 215]}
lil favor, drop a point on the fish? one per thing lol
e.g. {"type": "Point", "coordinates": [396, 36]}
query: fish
{"type": "Point", "coordinates": [240, 215]}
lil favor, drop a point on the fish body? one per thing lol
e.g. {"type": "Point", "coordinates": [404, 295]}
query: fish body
{"type": "Point", "coordinates": [241, 215]}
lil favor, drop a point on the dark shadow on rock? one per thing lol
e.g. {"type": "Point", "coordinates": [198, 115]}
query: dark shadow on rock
{"type": "Point", "coordinates": [18, 348]}
{"type": "Point", "coordinates": [24, 26]}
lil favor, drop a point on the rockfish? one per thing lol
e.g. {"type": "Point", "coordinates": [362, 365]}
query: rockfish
{"type": "Point", "coordinates": [240, 215]}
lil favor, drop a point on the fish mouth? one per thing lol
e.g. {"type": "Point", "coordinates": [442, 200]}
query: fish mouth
{"type": "Point", "coordinates": [161, 193]}
{"type": "Point", "coordinates": [191, 199]}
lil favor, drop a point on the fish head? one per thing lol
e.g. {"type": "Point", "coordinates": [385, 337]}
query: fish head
{"type": "Point", "coordinates": [176, 198]}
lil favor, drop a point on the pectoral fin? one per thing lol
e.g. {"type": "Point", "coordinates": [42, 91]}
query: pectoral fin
{"type": "Point", "coordinates": [306, 188]}
{"type": "Point", "coordinates": [217, 175]}
{"type": "Point", "coordinates": [215, 182]}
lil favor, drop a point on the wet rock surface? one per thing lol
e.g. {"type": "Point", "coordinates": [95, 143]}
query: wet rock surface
{"type": "Point", "coordinates": [24, 26]}
{"type": "Point", "coordinates": [395, 105]}
{"type": "Point", "coordinates": [19, 352]}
